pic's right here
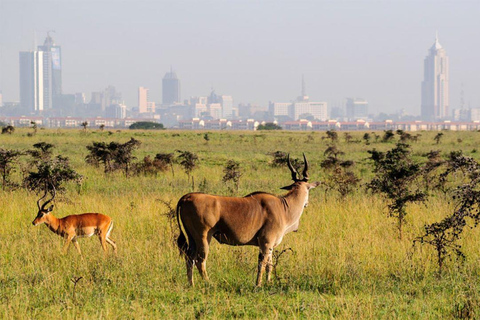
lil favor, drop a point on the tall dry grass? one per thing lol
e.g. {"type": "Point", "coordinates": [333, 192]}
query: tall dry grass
{"type": "Point", "coordinates": [346, 259]}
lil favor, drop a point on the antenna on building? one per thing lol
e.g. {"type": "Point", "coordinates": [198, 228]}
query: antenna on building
{"type": "Point", "coordinates": [462, 98]}
{"type": "Point", "coordinates": [303, 86]}
{"type": "Point", "coordinates": [34, 39]}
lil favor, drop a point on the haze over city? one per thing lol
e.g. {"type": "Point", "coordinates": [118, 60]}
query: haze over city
{"type": "Point", "coordinates": [255, 52]}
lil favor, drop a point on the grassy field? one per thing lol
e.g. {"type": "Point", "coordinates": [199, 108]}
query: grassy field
{"type": "Point", "coordinates": [346, 260]}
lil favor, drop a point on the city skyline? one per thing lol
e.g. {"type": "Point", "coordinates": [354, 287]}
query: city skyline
{"type": "Point", "coordinates": [258, 61]}
{"type": "Point", "coordinates": [435, 84]}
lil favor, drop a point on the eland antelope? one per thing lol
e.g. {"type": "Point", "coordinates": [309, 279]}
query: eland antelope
{"type": "Point", "coordinates": [75, 226]}
{"type": "Point", "coordinates": [259, 219]}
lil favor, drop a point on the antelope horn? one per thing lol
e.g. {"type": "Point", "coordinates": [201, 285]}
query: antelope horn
{"type": "Point", "coordinates": [292, 169]}
{"type": "Point", "coordinates": [53, 197]}
{"type": "Point", "coordinates": [305, 169]}
{"type": "Point", "coordinates": [38, 201]}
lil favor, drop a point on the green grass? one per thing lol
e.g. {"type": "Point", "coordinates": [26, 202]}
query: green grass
{"type": "Point", "coordinates": [347, 261]}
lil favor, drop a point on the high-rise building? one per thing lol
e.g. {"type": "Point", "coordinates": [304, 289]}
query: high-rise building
{"type": "Point", "coordinates": [357, 109]}
{"type": "Point", "coordinates": [142, 99]}
{"type": "Point", "coordinates": [227, 106]}
{"type": "Point", "coordinates": [170, 89]}
{"type": "Point", "coordinates": [41, 77]}
{"type": "Point", "coordinates": [31, 81]}
{"type": "Point", "coordinates": [52, 75]}
{"type": "Point", "coordinates": [1, 99]}
{"type": "Point", "coordinates": [435, 99]}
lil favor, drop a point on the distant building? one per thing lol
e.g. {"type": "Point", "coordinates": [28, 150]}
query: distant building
{"type": "Point", "coordinates": [227, 106]}
{"type": "Point", "coordinates": [307, 109]}
{"type": "Point", "coordinates": [111, 96]}
{"type": "Point", "coordinates": [279, 109]}
{"type": "Point", "coordinates": [435, 87]}
{"type": "Point", "coordinates": [80, 98]}
{"type": "Point", "coordinates": [1, 99]}
{"type": "Point", "coordinates": [170, 89]}
{"type": "Point", "coordinates": [117, 111]}
{"type": "Point", "coordinates": [356, 109]}
{"type": "Point", "coordinates": [52, 73]}
{"type": "Point", "coordinates": [142, 100]}
{"type": "Point", "coordinates": [31, 81]}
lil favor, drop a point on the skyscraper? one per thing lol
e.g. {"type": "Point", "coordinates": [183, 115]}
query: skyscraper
{"type": "Point", "coordinates": [52, 75]}
{"type": "Point", "coordinates": [170, 89]}
{"type": "Point", "coordinates": [31, 81]}
{"type": "Point", "coordinates": [142, 99]}
{"type": "Point", "coordinates": [41, 77]}
{"type": "Point", "coordinates": [435, 84]}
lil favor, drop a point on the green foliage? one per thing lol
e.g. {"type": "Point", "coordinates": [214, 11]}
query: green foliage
{"type": "Point", "coordinates": [395, 176]}
{"type": "Point", "coordinates": [146, 125]}
{"type": "Point", "coordinates": [388, 136]}
{"type": "Point", "coordinates": [269, 126]}
{"type": "Point", "coordinates": [344, 246]}
{"type": "Point", "coordinates": [7, 159]}
{"type": "Point", "coordinates": [341, 178]}
{"type": "Point", "coordinates": [444, 235]}
{"type": "Point", "coordinates": [8, 129]}
{"type": "Point", "coordinates": [113, 155]}
{"type": "Point", "coordinates": [51, 174]}
{"type": "Point", "coordinates": [189, 161]}
{"type": "Point", "coordinates": [438, 137]}
{"type": "Point", "coordinates": [332, 135]}
{"type": "Point", "coordinates": [232, 173]}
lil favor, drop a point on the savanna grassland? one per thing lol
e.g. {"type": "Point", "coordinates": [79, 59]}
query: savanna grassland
{"type": "Point", "coordinates": [346, 260]}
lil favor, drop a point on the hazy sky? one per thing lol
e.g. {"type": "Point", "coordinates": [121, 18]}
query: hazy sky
{"type": "Point", "coordinates": [255, 51]}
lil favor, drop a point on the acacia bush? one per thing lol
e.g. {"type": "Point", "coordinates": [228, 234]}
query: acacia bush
{"type": "Point", "coordinates": [232, 173]}
{"type": "Point", "coordinates": [51, 174]}
{"type": "Point", "coordinates": [395, 177]}
{"type": "Point", "coordinates": [113, 155]}
{"type": "Point", "coordinates": [8, 158]}
{"type": "Point", "coordinates": [443, 236]}
{"type": "Point", "coordinates": [341, 178]}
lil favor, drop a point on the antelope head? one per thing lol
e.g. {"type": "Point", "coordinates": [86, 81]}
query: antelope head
{"type": "Point", "coordinates": [42, 210]}
{"type": "Point", "coordinates": [300, 184]}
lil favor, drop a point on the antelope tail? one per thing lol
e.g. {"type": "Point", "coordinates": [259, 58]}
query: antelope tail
{"type": "Point", "coordinates": [181, 240]}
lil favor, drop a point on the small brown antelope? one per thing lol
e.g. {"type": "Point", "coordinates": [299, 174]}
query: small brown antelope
{"type": "Point", "coordinates": [75, 226]}
{"type": "Point", "coordinates": [259, 219]}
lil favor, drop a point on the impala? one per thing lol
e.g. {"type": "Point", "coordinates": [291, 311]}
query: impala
{"type": "Point", "coordinates": [75, 226]}
{"type": "Point", "coordinates": [259, 219]}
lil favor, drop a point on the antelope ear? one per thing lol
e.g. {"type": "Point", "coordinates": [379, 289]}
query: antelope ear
{"type": "Point", "coordinates": [50, 208]}
{"type": "Point", "coordinates": [290, 187]}
{"type": "Point", "coordinates": [313, 185]}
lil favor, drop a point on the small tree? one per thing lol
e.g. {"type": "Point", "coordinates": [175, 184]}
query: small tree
{"type": "Point", "coordinates": [34, 127]}
{"type": "Point", "coordinates": [332, 135]}
{"type": "Point", "coordinates": [388, 135]}
{"type": "Point", "coordinates": [395, 175]}
{"type": "Point", "coordinates": [232, 172]}
{"type": "Point", "coordinates": [206, 137]}
{"type": "Point", "coordinates": [101, 127]}
{"type": "Point", "coordinates": [348, 137]}
{"type": "Point", "coordinates": [438, 137]}
{"type": "Point", "coordinates": [341, 178]}
{"type": "Point", "coordinates": [84, 124]}
{"type": "Point", "coordinates": [50, 174]}
{"type": "Point", "coordinates": [166, 160]}
{"type": "Point", "coordinates": [269, 126]}
{"type": "Point", "coordinates": [443, 235]}
{"type": "Point", "coordinates": [280, 160]}
{"type": "Point", "coordinates": [7, 160]}
{"type": "Point", "coordinates": [188, 160]}
{"type": "Point", "coordinates": [8, 129]}
{"type": "Point", "coordinates": [113, 155]}
{"type": "Point", "coordinates": [42, 152]}
{"type": "Point", "coordinates": [367, 138]}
